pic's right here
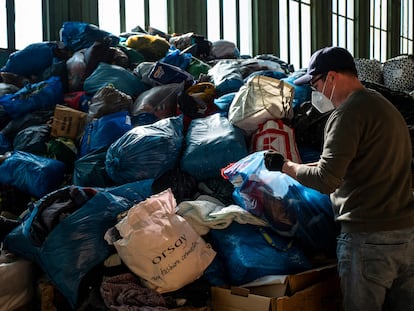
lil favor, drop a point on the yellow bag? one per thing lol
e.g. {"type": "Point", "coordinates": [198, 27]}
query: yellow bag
{"type": "Point", "coordinates": [153, 48]}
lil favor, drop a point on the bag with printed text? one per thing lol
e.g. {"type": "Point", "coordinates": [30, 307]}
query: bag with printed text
{"type": "Point", "coordinates": [160, 246]}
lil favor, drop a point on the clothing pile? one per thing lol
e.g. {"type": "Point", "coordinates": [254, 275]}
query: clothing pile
{"type": "Point", "coordinates": [132, 174]}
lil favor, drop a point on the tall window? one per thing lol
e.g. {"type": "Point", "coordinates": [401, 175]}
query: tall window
{"type": "Point", "coordinates": [28, 23]}
{"type": "Point", "coordinates": [295, 32]}
{"type": "Point", "coordinates": [134, 14]}
{"type": "Point", "coordinates": [246, 27]}
{"type": "Point", "coordinates": [378, 30]}
{"type": "Point", "coordinates": [237, 27]}
{"type": "Point", "coordinates": [406, 32]}
{"type": "Point", "coordinates": [110, 15]}
{"type": "Point", "coordinates": [158, 15]}
{"type": "Point", "coordinates": [343, 24]}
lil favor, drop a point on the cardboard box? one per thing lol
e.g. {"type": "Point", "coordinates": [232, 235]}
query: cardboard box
{"type": "Point", "coordinates": [324, 295]}
{"type": "Point", "coordinates": [68, 122]}
{"type": "Point", "coordinates": [316, 289]}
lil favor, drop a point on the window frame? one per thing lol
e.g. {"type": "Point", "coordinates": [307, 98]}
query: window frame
{"type": "Point", "coordinates": [264, 32]}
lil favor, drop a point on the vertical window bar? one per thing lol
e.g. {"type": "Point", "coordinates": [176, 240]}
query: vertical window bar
{"type": "Point", "coordinates": [403, 28]}
{"type": "Point", "coordinates": [337, 23]}
{"type": "Point", "coordinates": [410, 26]}
{"type": "Point", "coordinates": [373, 4]}
{"type": "Point", "coordinates": [384, 29]}
{"type": "Point", "coordinates": [238, 23]}
{"type": "Point", "coordinates": [379, 32]}
{"type": "Point", "coordinates": [346, 24]}
{"type": "Point", "coordinates": [300, 33]}
{"type": "Point", "coordinates": [11, 19]}
{"type": "Point", "coordinates": [335, 30]}
{"type": "Point", "coordinates": [411, 23]}
{"type": "Point", "coordinates": [221, 19]}
{"type": "Point", "coordinates": [147, 13]}
{"type": "Point", "coordinates": [406, 22]}
{"type": "Point", "coordinates": [377, 28]}
{"type": "Point", "coordinates": [122, 19]}
{"type": "Point", "coordinates": [288, 31]}
{"type": "Point", "coordinates": [409, 8]}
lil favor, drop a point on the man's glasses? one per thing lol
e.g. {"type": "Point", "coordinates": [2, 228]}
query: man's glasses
{"type": "Point", "coordinates": [313, 82]}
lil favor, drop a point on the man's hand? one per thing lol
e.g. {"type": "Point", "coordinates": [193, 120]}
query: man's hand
{"type": "Point", "coordinates": [273, 160]}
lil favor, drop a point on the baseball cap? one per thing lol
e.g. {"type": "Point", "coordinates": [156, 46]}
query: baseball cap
{"type": "Point", "coordinates": [327, 59]}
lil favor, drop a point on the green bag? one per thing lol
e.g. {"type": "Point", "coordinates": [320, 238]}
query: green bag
{"type": "Point", "coordinates": [197, 67]}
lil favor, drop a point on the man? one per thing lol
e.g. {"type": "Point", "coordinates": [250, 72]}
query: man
{"type": "Point", "coordinates": [365, 166]}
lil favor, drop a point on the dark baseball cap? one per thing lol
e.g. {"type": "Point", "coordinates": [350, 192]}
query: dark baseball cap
{"type": "Point", "coordinates": [327, 59]}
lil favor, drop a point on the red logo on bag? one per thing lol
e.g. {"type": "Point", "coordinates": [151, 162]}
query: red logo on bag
{"type": "Point", "coordinates": [275, 135]}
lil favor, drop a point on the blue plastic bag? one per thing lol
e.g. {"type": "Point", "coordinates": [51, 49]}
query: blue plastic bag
{"type": "Point", "coordinates": [74, 246]}
{"type": "Point", "coordinates": [79, 35]}
{"type": "Point", "coordinates": [89, 170]}
{"type": "Point", "coordinates": [290, 208]}
{"type": "Point", "coordinates": [226, 77]}
{"type": "Point", "coordinates": [32, 60]}
{"type": "Point", "coordinates": [224, 102]}
{"type": "Point", "coordinates": [135, 192]}
{"type": "Point", "coordinates": [5, 144]}
{"type": "Point", "coordinates": [102, 132]}
{"type": "Point", "coordinates": [33, 97]}
{"type": "Point", "coordinates": [249, 252]}
{"type": "Point", "coordinates": [121, 78]}
{"type": "Point", "coordinates": [31, 173]}
{"type": "Point", "coordinates": [146, 151]}
{"type": "Point", "coordinates": [177, 58]}
{"type": "Point", "coordinates": [211, 144]}
{"type": "Point", "coordinates": [33, 139]}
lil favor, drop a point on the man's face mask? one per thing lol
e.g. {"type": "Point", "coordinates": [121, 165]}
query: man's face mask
{"type": "Point", "coordinates": [321, 102]}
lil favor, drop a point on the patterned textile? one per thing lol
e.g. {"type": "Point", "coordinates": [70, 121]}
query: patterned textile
{"type": "Point", "coordinates": [124, 293]}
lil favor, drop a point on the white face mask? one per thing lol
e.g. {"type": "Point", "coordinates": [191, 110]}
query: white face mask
{"type": "Point", "coordinates": [321, 102]}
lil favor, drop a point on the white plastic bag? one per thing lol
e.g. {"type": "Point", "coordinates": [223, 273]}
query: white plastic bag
{"type": "Point", "coordinates": [16, 288]}
{"type": "Point", "coordinates": [160, 246]}
{"type": "Point", "coordinates": [261, 98]}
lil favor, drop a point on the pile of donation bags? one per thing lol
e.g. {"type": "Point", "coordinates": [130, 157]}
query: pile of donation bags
{"type": "Point", "coordinates": [149, 148]}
